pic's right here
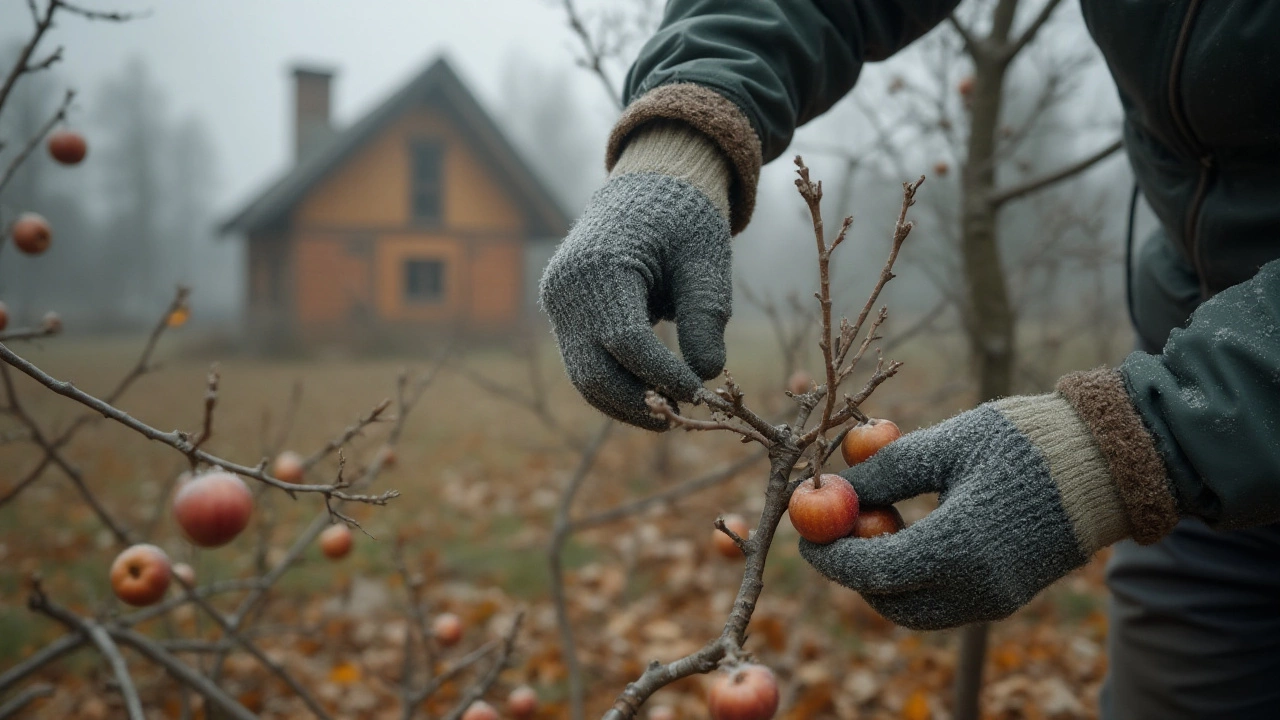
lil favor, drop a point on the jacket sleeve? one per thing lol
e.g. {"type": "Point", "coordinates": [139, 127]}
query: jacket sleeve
{"type": "Point", "coordinates": [1211, 400]}
{"type": "Point", "coordinates": [777, 63]}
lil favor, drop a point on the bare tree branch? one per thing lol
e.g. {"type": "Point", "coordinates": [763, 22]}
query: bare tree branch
{"type": "Point", "coordinates": [1000, 197]}
{"type": "Point", "coordinates": [24, 698]}
{"type": "Point", "coordinates": [1029, 33]}
{"type": "Point", "coordinates": [40, 603]}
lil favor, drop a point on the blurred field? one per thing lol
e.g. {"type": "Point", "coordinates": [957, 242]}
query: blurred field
{"type": "Point", "coordinates": [480, 481]}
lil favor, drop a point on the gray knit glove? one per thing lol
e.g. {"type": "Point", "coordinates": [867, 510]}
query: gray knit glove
{"type": "Point", "coordinates": [653, 244]}
{"type": "Point", "coordinates": [1027, 495]}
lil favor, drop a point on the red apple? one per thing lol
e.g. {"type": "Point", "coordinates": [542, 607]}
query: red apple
{"type": "Point", "coordinates": [941, 168]}
{"type": "Point", "coordinates": [185, 573]}
{"type": "Point", "coordinates": [213, 508]}
{"type": "Point", "coordinates": [288, 467]}
{"type": "Point", "coordinates": [447, 629]}
{"type": "Point", "coordinates": [67, 147]}
{"type": "Point", "coordinates": [799, 383]}
{"type": "Point", "coordinates": [140, 575]}
{"type": "Point", "coordinates": [862, 441]}
{"type": "Point", "coordinates": [480, 710]}
{"type": "Point", "coordinates": [31, 233]}
{"type": "Point", "coordinates": [725, 544]}
{"type": "Point", "coordinates": [4, 315]}
{"type": "Point", "coordinates": [747, 692]}
{"type": "Point", "coordinates": [824, 511]}
{"type": "Point", "coordinates": [965, 86]}
{"type": "Point", "coordinates": [662, 712]}
{"type": "Point", "coordinates": [335, 541]}
{"type": "Point", "coordinates": [876, 520]}
{"type": "Point", "coordinates": [522, 703]}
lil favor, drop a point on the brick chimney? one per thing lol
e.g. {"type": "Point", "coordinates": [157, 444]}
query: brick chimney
{"type": "Point", "coordinates": [311, 102]}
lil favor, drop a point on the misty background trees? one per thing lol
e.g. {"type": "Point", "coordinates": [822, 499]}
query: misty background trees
{"type": "Point", "coordinates": [139, 216]}
{"type": "Point", "coordinates": [134, 221]}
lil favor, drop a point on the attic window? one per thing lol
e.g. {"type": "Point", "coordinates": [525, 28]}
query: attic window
{"type": "Point", "coordinates": [427, 157]}
{"type": "Point", "coordinates": [424, 281]}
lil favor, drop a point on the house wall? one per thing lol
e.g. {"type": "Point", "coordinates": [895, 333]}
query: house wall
{"type": "Point", "coordinates": [354, 232]}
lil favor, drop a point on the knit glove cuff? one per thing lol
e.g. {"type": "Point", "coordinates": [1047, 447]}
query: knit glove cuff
{"type": "Point", "coordinates": [672, 148]}
{"type": "Point", "coordinates": [714, 116]}
{"type": "Point", "coordinates": [1127, 448]}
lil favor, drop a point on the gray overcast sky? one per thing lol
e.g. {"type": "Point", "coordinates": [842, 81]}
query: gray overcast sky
{"type": "Point", "coordinates": [227, 60]}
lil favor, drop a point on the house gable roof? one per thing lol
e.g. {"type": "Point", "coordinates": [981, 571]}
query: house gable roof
{"type": "Point", "coordinates": [439, 86]}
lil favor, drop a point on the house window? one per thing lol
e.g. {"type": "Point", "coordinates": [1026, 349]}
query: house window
{"type": "Point", "coordinates": [427, 183]}
{"type": "Point", "coordinates": [424, 281]}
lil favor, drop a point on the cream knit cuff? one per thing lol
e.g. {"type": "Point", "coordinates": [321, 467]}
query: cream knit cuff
{"type": "Point", "coordinates": [670, 147]}
{"type": "Point", "coordinates": [1089, 494]}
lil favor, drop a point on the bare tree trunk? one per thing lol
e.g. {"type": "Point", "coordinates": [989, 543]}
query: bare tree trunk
{"type": "Point", "coordinates": [990, 316]}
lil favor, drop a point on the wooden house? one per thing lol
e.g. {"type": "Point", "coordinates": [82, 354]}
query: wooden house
{"type": "Point", "coordinates": [420, 216]}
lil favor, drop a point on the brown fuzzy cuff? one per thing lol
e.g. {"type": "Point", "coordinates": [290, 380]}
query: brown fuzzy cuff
{"type": "Point", "coordinates": [1099, 397]}
{"type": "Point", "coordinates": [711, 114]}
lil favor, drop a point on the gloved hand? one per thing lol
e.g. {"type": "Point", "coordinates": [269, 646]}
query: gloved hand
{"type": "Point", "coordinates": [653, 244]}
{"type": "Point", "coordinates": [1030, 488]}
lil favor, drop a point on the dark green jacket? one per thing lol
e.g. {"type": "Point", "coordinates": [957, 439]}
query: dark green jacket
{"type": "Point", "coordinates": [1200, 87]}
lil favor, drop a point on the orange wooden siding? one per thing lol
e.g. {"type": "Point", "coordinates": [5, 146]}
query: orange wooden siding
{"type": "Point", "coordinates": [480, 239]}
{"type": "Point", "coordinates": [372, 188]}
{"type": "Point", "coordinates": [496, 276]}
{"type": "Point", "coordinates": [332, 280]}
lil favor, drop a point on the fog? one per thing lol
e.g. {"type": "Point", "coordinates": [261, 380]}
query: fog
{"type": "Point", "coordinates": [194, 100]}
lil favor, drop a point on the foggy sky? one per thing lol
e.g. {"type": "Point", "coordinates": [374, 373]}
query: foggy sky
{"type": "Point", "coordinates": [227, 61]}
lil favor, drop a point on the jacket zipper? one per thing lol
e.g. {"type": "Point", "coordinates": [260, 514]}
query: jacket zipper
{"type": "Point", "coordinates": [1190, 236]}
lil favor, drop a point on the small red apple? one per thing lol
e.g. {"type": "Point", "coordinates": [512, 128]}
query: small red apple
{"type": "Point", "coordinates": [480, 710]}
{"type": "Point", "coordinates": [725, 544]}
{"type": "Point", "coordinates": [862, 441]}
{"type": "Point", "coordinates": [941, 168]}
{"type": "Point", "coordinates": [876, 520]}
{"type": "Point", "coordinates": [140, 575]}
{"type": "Point", "coordinates": [522, 703]}
{"type": "Point", "coordinates": [335, 541]}
{"type": "Point", "coordinates": [213, 508]}
{"type": "Point", "coordinates": [823, 511]}
{"type": "Point", "coordinates": [68, 147]}
{"type": "Point", "coordinates": [965, 86]}
{"type": "Point", "coordinates": [447, 629]}
{"type": "Point", "coordinates": [4, 315]}
{"type": "Point", "coordinates": [747, 692]}
{"type": "Point", "coordinates": [31, 233]}
{"type": "Point", "coordinates": [799, 383]}
{"type": "Point", "coordinates": [185, 573]}
{"type": "Point", "coordinates": [288, 467]}
{"type": "Point", "coordinates": [662, 712]}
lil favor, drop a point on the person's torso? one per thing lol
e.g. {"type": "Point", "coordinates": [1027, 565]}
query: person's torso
{"type": "Point", "coordinates": [1200, 86]}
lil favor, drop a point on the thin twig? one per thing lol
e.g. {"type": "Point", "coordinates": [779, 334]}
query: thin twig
{"type": "Point", "coordinates": [481, 686]}
{"type": "Point", "coordinates": [559, 535]}
{"type": "Point", "coordinates": [34, 141]}
{"type": "Point", "coordinates": [38, 659]}
{"type": "Point", "coordinates": [40, 603]}
{"type": "Point", "coordinates": [176, 440]}
{"type": "Point", "coordinates": [24, 698]}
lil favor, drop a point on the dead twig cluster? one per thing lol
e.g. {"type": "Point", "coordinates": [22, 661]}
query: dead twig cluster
{"type": "Point", "coordinates": [787, 446]}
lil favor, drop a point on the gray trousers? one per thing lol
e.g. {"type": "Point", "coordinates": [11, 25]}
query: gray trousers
{"type": "Point", "coordinates": [1195, 626]}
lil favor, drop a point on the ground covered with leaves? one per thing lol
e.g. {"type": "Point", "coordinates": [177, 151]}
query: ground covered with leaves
{"type": "Point", "coordinates": [481, 480]}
